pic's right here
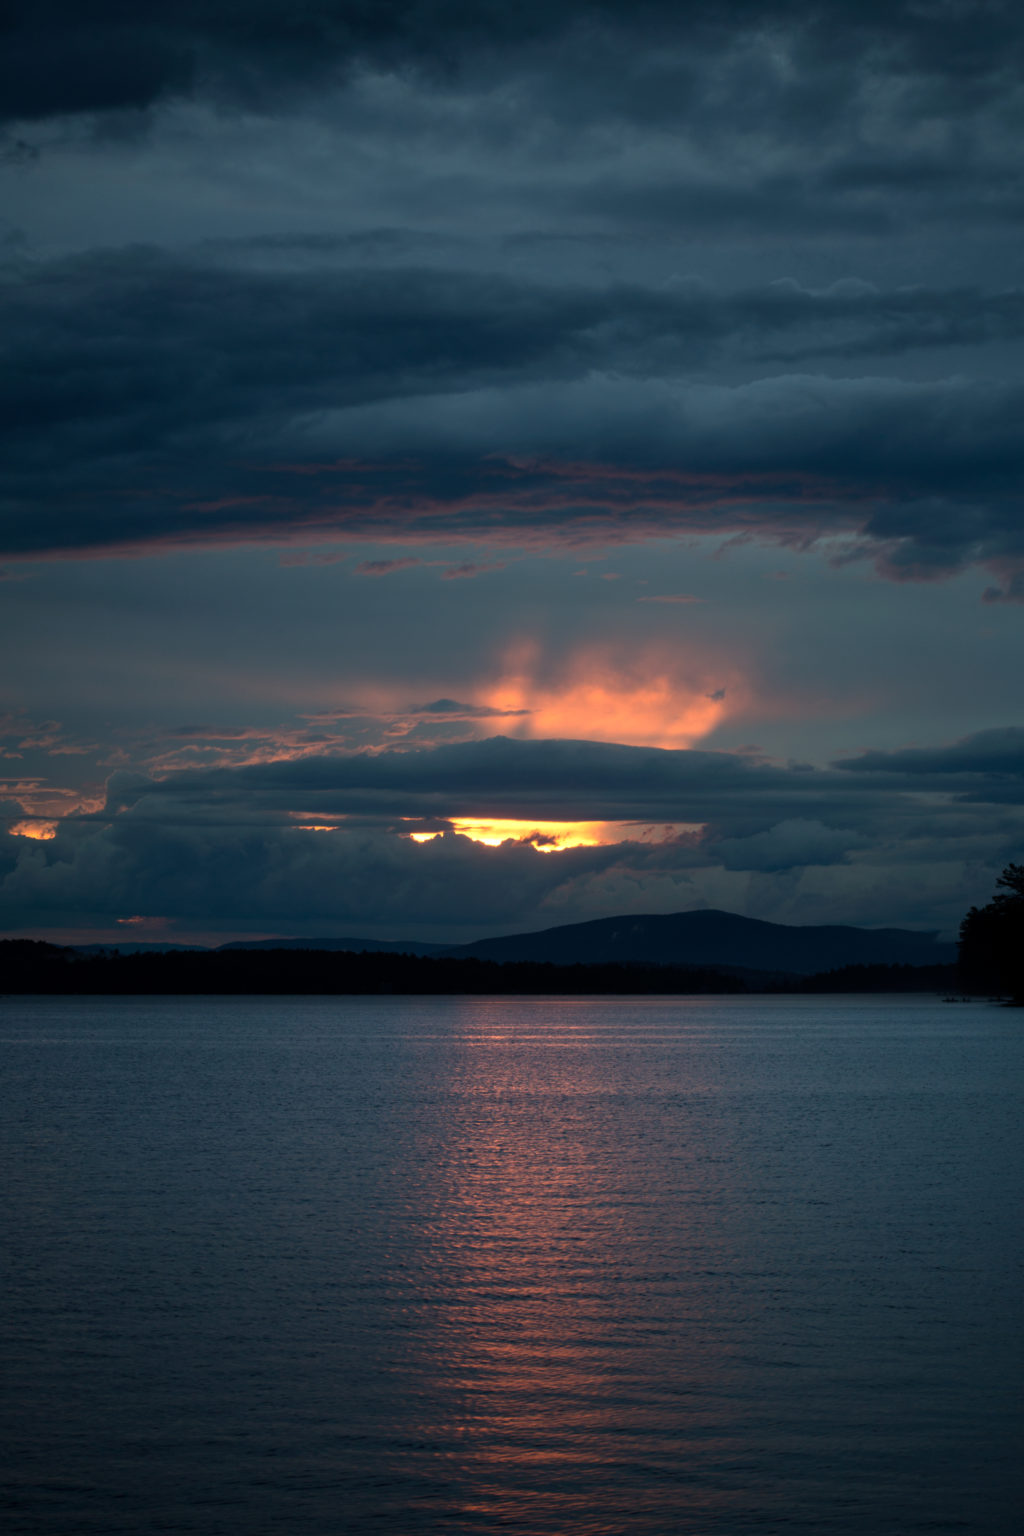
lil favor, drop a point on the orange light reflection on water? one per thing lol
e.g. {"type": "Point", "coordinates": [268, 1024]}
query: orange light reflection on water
{"type": "Point", "coordinates": [554, 1305]}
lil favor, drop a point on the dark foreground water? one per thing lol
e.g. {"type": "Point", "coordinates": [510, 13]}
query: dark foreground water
{"type": "Point", "coordinates": [588, 1266]}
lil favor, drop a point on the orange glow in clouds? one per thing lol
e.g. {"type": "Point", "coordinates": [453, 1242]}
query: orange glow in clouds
{"type": "Point", "coordinates": [546, 836]}
{"type": "Point", "coordinates": [554, 836]}
{"type": "Point", "coordinates": [649, 702]}
{"type": "Point", "coordinates": [40, 831]}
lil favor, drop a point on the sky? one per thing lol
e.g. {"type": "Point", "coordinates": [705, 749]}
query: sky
{"type": "Point", "coordinates": [474, 467]}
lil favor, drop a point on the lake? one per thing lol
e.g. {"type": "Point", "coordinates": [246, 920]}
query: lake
{"type": "Point", "coordinates": [335, 1266]}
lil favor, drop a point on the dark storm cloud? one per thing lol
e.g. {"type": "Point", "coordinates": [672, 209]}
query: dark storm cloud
{"type": "Point", "coordinates": [152, 399]}
{"type": "Point", "coordinates": [996, 758]}
{"type": "Point", "coordinates": [792, 844]}
{"type": "Point", "coordinates": [763, 118]}
{"type": "Point", "coordinates": [99, 55]}
{"type": "Point", "coordinates": [245, 874]}
{"type": "Point", "coordinates": [131, 331]}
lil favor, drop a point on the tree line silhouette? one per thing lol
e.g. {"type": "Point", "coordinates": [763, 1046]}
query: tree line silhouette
{"type": "Point", "coordinates": [991, 961]}
{"type": "Point", "coordinates": [28, 965]}
{"type": "Point", "coordinates": [992, 940]}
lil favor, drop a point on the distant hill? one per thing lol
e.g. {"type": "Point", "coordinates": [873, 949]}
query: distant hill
{"type": "Point", "coordinates": [28, 965]}
{"type": "Point", "coordinates": [742, 945]}
{"type": "Point", "coordinates": [716, 939]}
{"type": "Point", "coordinates": [137, 949]}
{"type": "Point", "coordinates": [352, 946]}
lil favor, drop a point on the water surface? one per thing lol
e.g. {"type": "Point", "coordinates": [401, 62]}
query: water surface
{"type": "Point", "coordinates": [655, 1266]}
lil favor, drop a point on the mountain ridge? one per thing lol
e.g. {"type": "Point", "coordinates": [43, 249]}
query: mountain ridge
{"type": "Point", "coordinates": [698, 938]}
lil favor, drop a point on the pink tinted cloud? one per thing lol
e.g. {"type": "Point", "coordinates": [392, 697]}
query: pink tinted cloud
{"type": "Point", "coordinates": [541, 505]}
{"type": "Point", "coordinates": [384, 567]}
{"type": "Point", "coordinates": [356, 727]}
{"type": "Point", "coordinates": [471, 568]}
{"type": "Point", "coordinates": [527, 504]}
{"type": "Point", "coordinates": [672, 597]}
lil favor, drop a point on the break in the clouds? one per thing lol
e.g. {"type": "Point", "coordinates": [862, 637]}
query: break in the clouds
{"type": "Point", "coordinates": [638, 384]}
{"type": "Point", "coordinates": [394, 838]}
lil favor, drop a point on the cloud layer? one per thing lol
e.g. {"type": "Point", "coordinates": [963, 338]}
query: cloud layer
{"type": "Point", "coordinates": [155, 399]}
{"type": "Point", "coordinates": [233, 849]}
{"type": "Point", "coordinates": [97, 57]}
